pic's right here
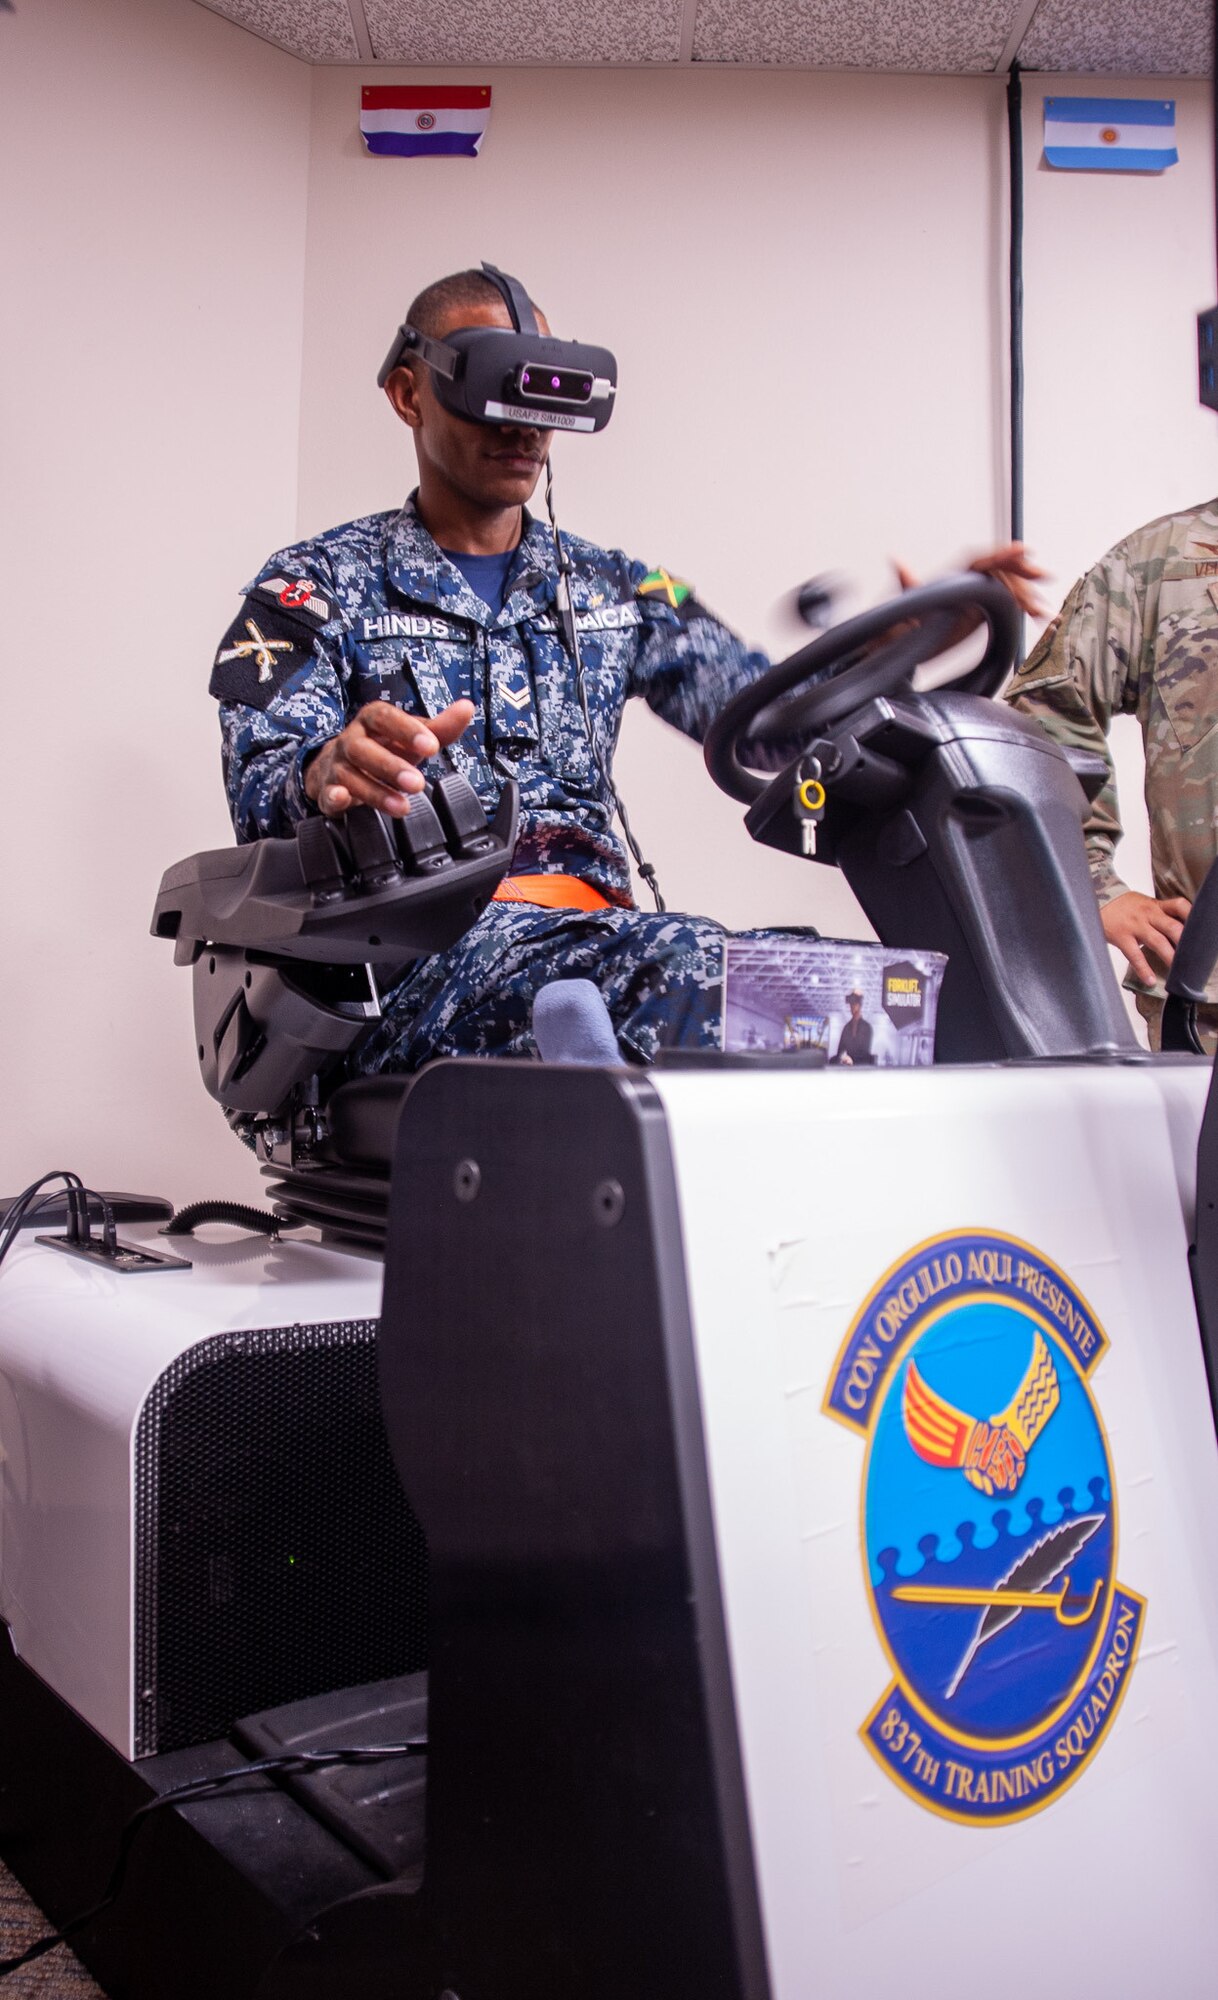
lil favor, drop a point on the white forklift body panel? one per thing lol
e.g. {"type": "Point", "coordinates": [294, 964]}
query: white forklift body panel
{"type": "Point", "coordinates": [798, 1192]}
{"type": "Point", "coordinates": [81, 1352]}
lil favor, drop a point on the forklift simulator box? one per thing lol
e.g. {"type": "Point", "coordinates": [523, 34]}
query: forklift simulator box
{"type": "Point", "coordinates": [857, 1003]}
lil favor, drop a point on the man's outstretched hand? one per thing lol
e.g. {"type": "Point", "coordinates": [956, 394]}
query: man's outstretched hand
{"type": "Point", "coordinates": [1012, 565]}
{"type": "Point", "coordinates": [374, 760]}
{"type": "Point", "coordinates": [1138, 924]}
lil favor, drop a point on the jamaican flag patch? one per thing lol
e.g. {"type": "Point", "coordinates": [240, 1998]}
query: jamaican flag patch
{"type": "Point", "coordinates": [669, 589]}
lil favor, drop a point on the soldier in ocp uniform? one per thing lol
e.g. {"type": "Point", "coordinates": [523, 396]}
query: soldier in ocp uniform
{"type": "Point", "coordinates": [1138, 635]}
{"type": "Point", "coordinates": [364, 659]}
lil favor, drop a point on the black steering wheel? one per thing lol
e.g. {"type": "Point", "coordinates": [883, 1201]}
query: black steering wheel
{"type": "Point", "coordinates": [851, 670]}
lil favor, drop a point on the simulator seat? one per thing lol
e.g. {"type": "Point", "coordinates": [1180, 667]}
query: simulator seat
{"type": "Point", "coordinates": [290, 941]}
{"type": "Point", "coordinates": [956, 821]}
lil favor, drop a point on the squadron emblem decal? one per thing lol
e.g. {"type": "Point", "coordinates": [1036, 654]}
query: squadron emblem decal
{"type": "Point", "coordinates": [989, 1527]}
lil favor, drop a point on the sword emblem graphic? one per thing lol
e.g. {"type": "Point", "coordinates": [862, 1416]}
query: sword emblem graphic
{"type": "Point", "coordinates": [260, 647]}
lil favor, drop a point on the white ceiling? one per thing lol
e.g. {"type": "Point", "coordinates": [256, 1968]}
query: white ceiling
{"type": "Point", "coordinates": [942, 35]}
{"type": "Point", "coordinates": [524, 31]}
{"type": "Point", "coordinates": [1155, 37]}
{"type": "Point", "coordinates": [947, 37]}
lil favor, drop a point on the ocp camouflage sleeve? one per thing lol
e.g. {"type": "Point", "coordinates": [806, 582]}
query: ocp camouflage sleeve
{"type": "Point", "coordinates": [1084, 670]}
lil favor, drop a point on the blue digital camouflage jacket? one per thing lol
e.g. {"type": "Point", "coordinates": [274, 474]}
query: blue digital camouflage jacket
{"type": "Point", "coordinates": [374, 611]}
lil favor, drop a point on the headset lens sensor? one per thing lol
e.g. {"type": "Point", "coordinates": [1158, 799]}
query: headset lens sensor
{"type": "Point", "coordinates": [542, 383]}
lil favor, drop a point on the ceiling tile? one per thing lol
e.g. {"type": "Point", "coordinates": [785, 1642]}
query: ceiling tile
{"type": "Point", "coordinates": [532, 31]}
{"type": "Point", "coordinates": [939, 35]}
{"type": "Point", "coordinates": [1130, 37]}
{"type": "Point", "coordinates": [318, 30]}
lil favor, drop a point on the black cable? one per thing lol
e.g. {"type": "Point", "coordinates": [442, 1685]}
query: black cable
{"type": "Point", "coordinates": [1015, 152]}
{"type": "Point", "coordinates": [24, 1205]}
{"type": "Point", "coordinates": [77, 1229]}
{"type": "Point", "coordinates": [202, 1788]}
{"type": "Point", "coordinates": [259, 1220]}
{"type": "Point", "coordinates": [566, 612]}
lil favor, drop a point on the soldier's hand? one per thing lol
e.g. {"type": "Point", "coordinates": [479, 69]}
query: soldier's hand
{"type": "Point", "coordinates": [374, 760]}
{"type": "Point", "coordinates": [1137, 924]}
{"type": "Point", "coordinates": [1012, 565]}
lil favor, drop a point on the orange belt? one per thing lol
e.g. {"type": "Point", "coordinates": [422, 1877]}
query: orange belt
{"type": "Point", "coordinates": [551, 892]}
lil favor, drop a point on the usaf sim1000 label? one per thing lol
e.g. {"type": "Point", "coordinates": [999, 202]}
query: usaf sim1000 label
{"type": "Point", "coordinates": [989, 1527]}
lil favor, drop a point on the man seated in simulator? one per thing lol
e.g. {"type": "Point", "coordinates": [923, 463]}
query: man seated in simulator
{"type": "Point", "coordinates": [400, 642]}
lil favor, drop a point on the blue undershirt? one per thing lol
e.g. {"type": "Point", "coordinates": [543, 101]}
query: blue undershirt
{"type": "Point", "coordinates": [486, 575]}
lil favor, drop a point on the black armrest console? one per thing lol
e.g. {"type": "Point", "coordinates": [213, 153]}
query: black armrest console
{"type": "Point", "coordinates": [365, 889]}
{"type": "Point", "coordinates": [283, 936]}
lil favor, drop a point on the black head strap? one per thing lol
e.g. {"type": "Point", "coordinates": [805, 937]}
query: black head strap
{"type": "Point", "coordinates": [436, 353]}
{"type": "Point", "coordinates": [515, 298]}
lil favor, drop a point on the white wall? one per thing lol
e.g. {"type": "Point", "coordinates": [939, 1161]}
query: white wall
{"type": "Point", "coordinates": [796, 273]}
{"type": "Point", "coordinates": [1117, 266]}
{"type": "Point", "coordinates": [152, 159]}
{"type": "Point", "coordinates": [803, 279]}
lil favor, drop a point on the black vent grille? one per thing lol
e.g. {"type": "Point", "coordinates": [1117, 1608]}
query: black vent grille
{"type": "Point", "coordinates": [276, 1556]}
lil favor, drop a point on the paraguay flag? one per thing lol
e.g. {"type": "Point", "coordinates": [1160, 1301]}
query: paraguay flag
{"type": "Point", "coordinates": [425, 119]}
{"type": "Point", "coordinates": [1119, 135]}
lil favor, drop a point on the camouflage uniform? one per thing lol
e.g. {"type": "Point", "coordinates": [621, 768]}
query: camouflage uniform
{"type": "Point", "coordinates": [1138, 635]}
{"type": "Point", "coordinates": [375, 611]}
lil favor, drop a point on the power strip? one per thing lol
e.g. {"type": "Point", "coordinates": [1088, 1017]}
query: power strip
{"type": "Point", "coordinates": [126, 1258]}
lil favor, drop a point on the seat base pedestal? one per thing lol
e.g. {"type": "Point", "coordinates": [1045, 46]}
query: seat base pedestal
{"type": "Point", "coordinates": [245, 1893]}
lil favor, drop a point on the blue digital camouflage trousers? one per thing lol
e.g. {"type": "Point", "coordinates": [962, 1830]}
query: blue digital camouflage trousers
{"type": "Point", "coordinates": [661, 976]}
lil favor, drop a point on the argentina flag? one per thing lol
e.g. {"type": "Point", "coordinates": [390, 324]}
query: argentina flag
{"type": "Point", "coordinates": [1116, 135]}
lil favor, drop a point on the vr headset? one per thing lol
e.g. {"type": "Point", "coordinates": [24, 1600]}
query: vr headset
{"type": "Point", "coordinates": [492, 376]}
